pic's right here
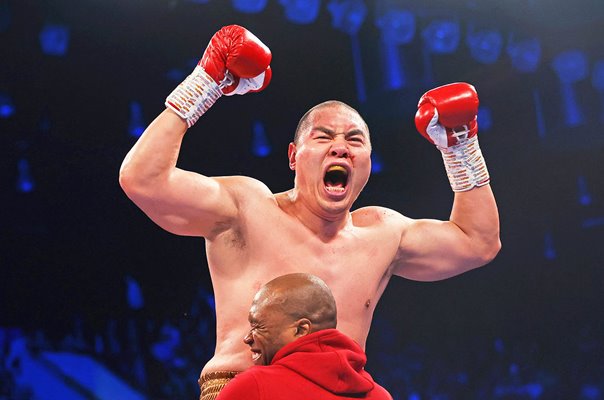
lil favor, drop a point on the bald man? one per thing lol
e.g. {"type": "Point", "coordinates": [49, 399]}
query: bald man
{"type": "Point", "coordinates": [297, 352]}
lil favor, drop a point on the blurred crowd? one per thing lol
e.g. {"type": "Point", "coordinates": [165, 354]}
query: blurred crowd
{"type": "Point", "coordinates": [163, 358]}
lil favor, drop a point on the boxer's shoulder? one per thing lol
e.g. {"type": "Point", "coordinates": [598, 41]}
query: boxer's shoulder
{"type": "Point", "coordinates": [375, 215]}
{"type": "Point", "coordinates": [245, 187]}
{"type": "Point", "coordinates": [380, 222]}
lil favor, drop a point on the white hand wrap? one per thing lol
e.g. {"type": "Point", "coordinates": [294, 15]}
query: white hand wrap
{"type": "Point", "coordinates": [465, 165]}
{"type": "Point", "coordinates": [194, 96]}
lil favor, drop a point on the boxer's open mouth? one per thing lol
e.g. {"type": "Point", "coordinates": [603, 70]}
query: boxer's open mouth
{"type": "Point", "coordinates": [336, 178]}
{"type": "Point", "coordinates": [256, 355]}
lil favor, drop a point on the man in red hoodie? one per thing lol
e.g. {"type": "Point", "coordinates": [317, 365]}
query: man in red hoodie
{"type": "Point", "coordinates": [297, 352]}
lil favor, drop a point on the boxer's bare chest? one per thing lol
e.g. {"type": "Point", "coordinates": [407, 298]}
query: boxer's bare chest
{"type": "Point", "coordinates": [271, 242]}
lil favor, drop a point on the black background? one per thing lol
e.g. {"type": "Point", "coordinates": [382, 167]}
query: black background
{"type": "Point", "coordinates": [67, 246]}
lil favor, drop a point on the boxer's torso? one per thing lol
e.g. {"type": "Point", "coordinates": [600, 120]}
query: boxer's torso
{"type": "Point", "coordinates": [268, 241]}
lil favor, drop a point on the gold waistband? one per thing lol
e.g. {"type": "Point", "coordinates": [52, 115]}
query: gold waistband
{"type": "Point", "coordinates": [217, 375]}
{"type": "Point", "coordinates": [211, 383]}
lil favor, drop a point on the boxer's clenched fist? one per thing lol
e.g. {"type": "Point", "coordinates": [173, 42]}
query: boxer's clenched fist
{"type": "Point", "coordinates": [447, 117]}
{"type": "Point", "coordinates": [234, 62]}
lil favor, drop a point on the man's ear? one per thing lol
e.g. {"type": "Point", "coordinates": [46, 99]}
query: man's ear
{"type": "Point", "coordinates": [291, 155]}
{"type": "Point", "coordinates": [303, 327]}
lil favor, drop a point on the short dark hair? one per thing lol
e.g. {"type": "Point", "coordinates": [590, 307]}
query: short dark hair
{"type": "Point", "coordinates": [303, 123]}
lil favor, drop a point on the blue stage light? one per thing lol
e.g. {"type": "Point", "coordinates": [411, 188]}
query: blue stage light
{"type": "Point", "coordinates": [525, 54]}
{"type": "Point", "coordinates": [485, 45]}
{"type": "Point", "coordinates": [176, 75]}
{"type": "Point", "coordinates": [393, 73]}
{"type": "Point", "coordinates": [571, 67]}
{"type": "Point", "coordinates": [347, 15]}
{"type": "Point", "coordinates": [54, 39]}
{"type": "Point", "coordinates": [7, 108]}
{"type": "Point", "coordinates": [397, 27]}
{"type": "Point", "coordinates": [549, 250]}
{"type": "Point", "coordinates": [25, 181]}
{"type": "Point", "coordinates": [442, 36]}
{"type": "Point", "coordinates": [485, 118]}
{"type": "Point", "coordinates": [357, 61]}
{"type": "Point", "coordinates": [534, 390]}
{"type": "Point", "coordinates": [134, 294]}
{"type": "Point", "coordinates": [584, 196]}
{"type": "Point", "coordinates": [597, 75]}
{"type": "Point", "coordinates": [592, 222]}
{"type": "Point", "coordinates": [249, 6]}
{"type": "Point", "coordinates": [597, 81]}
{"type": "Point", "coordinates": [136, 125]}
{"type": "Point", "coordinates": [377, 164]}
{"type": "Point", "coordinates": [261, 146]}
{"type": "Point", "coordinates": [539, 114]}
{"type": "Point", "coordinates": [462, 378]}
{"type": "Point", "coordinates": [170, 339]}
{"type": "Point", "coordinates": [590, 392]}
{"type": "Point", "coordinates": [210, 301]}
{"type": "Point", "coordinates": [499, 345]}
{"type": "Point", "coordinates": [301, 11]}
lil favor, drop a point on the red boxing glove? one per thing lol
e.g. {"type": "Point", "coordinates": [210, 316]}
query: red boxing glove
{"type": "Point", "coordinates": [234, 62]}
{"type": "Point", "coordinates": [447, 117]}
{"type": "Point", "coordinates": [235, 55]}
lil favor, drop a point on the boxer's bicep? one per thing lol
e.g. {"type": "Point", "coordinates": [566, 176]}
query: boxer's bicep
{"type": "Point", "coordinates": [432, 250]}
{"type": "Point", "coordinates": [190, 204]}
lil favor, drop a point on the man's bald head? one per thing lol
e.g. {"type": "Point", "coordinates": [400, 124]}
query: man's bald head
{"type": "Point", "coordinates": [305, 122]}
{"type": "Point", "coordinates": [284, 310]}
{"type": "Point", "coordinates": [300, 295]}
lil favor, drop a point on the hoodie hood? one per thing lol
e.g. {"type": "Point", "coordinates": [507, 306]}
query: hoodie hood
{"type": "Point", "coordinates": [330, 359]}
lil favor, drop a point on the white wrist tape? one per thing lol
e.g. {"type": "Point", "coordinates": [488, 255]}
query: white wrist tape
{"type": "Point", "coordinates": [465, 165]}
{"type": "Point", "coordinates": [194, 96]}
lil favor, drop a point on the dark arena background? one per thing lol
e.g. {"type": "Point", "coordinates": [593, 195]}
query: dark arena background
{"type": "Point", "coordinates": [97, 302]}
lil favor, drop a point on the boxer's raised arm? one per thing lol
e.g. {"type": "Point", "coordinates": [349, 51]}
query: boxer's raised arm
{"type": "Point", "coordinates": [430, 249]}
{"type": "Point", "coordinates": [182, 202]}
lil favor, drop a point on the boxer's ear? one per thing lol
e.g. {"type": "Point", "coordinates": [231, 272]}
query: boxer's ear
{"type": "Point", "coordinates": [291, 155]}
{"type": "Point", "coordinates": [303, 327]}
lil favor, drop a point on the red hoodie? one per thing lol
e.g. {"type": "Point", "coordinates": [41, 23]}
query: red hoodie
{"type": "Point", "coordinates": [324, 365]}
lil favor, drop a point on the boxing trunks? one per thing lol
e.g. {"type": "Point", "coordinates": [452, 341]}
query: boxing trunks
{"type": "Point", "coordinates": [212, 383]}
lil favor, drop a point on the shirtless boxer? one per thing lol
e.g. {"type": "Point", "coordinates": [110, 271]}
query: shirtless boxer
{"type": "Point", "coordinates": [252, 235]}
